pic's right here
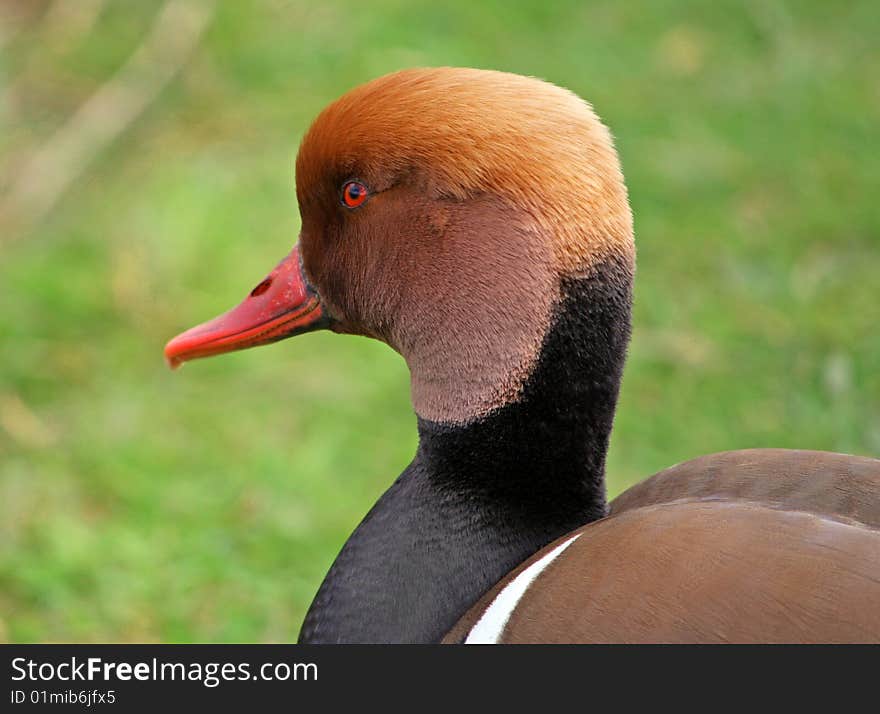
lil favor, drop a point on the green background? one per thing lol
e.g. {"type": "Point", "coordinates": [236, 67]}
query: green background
{"type": "Point", "coordinates": [137, 504]}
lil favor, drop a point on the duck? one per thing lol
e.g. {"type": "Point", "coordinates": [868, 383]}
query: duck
{"type": "Point", "coordinates": [478, 223]}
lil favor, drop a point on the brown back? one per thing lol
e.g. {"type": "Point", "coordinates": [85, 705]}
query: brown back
{"type": "Point", "coordinates": [836, 485]}
{"type": "Point", "coordinates": [748, 546]}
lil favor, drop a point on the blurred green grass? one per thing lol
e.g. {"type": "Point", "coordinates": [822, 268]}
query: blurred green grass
{"type": "Point", "coordinates": [138, 504]}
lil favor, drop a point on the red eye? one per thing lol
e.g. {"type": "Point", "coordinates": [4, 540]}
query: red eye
{"type": "Point", "coordinates": [354, 194]}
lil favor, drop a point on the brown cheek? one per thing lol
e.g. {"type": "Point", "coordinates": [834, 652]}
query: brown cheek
{"type": "Point", "coordinates": [350, 260]}
{"type": "Point", "coordinates": [462, 289]}
{"type": "Point", "coordinates": [477, 288]}
{"type": "Point", "coordinates": [324, 263]}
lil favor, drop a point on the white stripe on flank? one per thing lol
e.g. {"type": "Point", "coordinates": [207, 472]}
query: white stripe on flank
{"type": "Point", "coordinates": [491, 625]}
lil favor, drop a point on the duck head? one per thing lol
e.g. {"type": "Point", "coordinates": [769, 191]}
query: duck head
{"type": "Point", "coordinates": [442, 211]}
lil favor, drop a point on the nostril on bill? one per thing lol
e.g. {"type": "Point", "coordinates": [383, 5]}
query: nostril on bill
{"type": "Point", "coordinates": [261, 288]}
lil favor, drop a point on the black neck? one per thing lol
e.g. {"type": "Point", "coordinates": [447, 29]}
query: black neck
{"type": "Point", "coordinates": [478, 499]}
